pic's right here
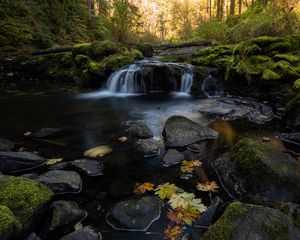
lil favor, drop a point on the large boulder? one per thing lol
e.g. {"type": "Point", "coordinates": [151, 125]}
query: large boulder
{"type": "Point", "coordinates": [172, 157]}
{"type": "Point", "coordinates": [24, 197]}
{"type": "Point", "coordinates": [9, 224]}
{"type": "Point", "coordinates": [135, 214]}
{"type": "Point", "coordinates": [62, 181]}
{"type": "Point", "coordinates": [137, 130]}
{"type": "Point", "coordinates": [251, 167]}
{"type": "Point", "coordinates": [19, 161]}
{"type": "Point", "coordinates": [146, 147]}
{"type": "Point", "coordinates": [180, 131]}
{"type": "Point", "coordinates": [6, 145]}
{"type": "Point", "coordinates": [248, 222]}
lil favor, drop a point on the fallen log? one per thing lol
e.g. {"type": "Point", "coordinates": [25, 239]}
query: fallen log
{"type": "Point", "coordinates": [52, 50]}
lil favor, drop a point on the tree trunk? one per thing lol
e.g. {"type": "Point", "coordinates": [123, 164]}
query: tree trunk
{"type": "Point", "coordinates": [232, 7]}
{"type": "Point", "coordinates": [240, 6]}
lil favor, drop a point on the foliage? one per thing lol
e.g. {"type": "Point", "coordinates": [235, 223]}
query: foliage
{"type": "Point", "coordinates": [167, 190]}
{"type": "Point", "coordinates": [54, 161]}
{"type": "Point", "coordinates": [141, 188]}
{"type": "Point", "coordinates": [98, 151]}
{"type": "Point", "coordinates": [208, 186]}
{"type": "Point", "coordinates": [173, 232]}
{"type": "Point", "coordinates": [186, 200]}
{"type": "Point", "coordinates": [189, 166]}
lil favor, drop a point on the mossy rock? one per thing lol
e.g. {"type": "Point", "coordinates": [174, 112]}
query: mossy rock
{"type": "Point", "coordinates": [23, 197]}
{"type": "Point", "coordinates": [258, 59]}
{"type": "Point", "coordinates": [287, 57]}
{"type": "Point", "coordinates": [286, 69]}
{"type": "Point", "coordinates": [114, 62]}
{"type": "Point", "coordinates": [81, 49]}
{"type": "Point", "coordinates": [102, 49]}
{"type": "Point", "coordinates": [9, 224]}
{"type": "Point", "coordinates": [66, 59]}
{"type": "Point", "coordinates": [248, 222]}
{"type": "Point", "coordinates": [252, 167]}
{"type": "Point", "coordinates": [95, 67]}
{"type": "Point", "coordinates": [81, 61]}
{"type": "Point", "coordinates": [270, 75]}
{"type": "Point", "coordinates": [136, 54]}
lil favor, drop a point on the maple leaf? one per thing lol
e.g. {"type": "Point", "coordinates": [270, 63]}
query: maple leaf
{"type": "Point", "coordinates": [143, 187]}
{"type": "Point", "coordinates": [189, 166]}
{"type": "Point", "coordinates": [172, 215]}
{"type": "Point", "coordinates": [27, 134]}
{"type": "Point", "coordinates": [54, 161]}
{"type": "Point", "coordinates": [99, 151]}
{"type": "Point", "coordinates": [123, 139]}
{"type": "Point", "coordinates": [21, 149]}
{"type": "Point", "coordinates": [173, 232]}
{"type": "Point", "coordinates": [166, 190]}
{"type": "Point", "coordinates": [208, 186]}
{"type": "Point", "coordinates": [183, 216]}
{"type": "Point", "coordinates": [186, 200]}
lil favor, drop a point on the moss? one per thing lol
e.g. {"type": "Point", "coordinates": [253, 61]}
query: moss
{"type": "Point", "coordinates": [23, 196]}
{"type": "Point", "coordinates": [258, 59]}
{"type": "Point", "coordinates": [265, 41]}
{"type": "Point", "coordinates": [283, 46]}
{"type": "Point", "coordinates": [81, 61]}
{"type": "Point", "coordinates": [286, 69]}
{"type": "Point", "coordinates": [81, 49]}
{"type": "Point", "coordinates": [9, 225]}
{"type": "Point", "coordinates": [100, 50]}
{"type": "Point", "coordinates": [270, 75]}
{"type": "Point", "coordinates": [94, 67]}
{"type": "Point", "coordinates": [287, 57]}
{"type": "Point", "coordinates": [113, 62]}
{"type": "Point", "coordinates": [136, 54]}
{"type": "Point", "coordinates": [67, 59]}
{"type": "Point", "coordinates": [297, 85]}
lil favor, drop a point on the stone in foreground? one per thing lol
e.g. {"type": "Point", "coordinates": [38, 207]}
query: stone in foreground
{"type": "Point", "coordinates": [146, 147]}
{"type": "Point", "coordinates": [89, 167]}
{"type": "Point", "coordinates": [137, 130]}
{"type": "Point", "coordinates": [180, 131]}
{"type": "Point", "coordinates": [6, 145]}
{"type": "Point", "coordinates": [86, 233]}
{"type": "Point", "coordinates": [135, 214]}
{"type": "Point", "coordinates": [172, 157]}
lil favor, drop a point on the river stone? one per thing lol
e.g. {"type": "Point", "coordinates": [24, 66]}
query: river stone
{"type": "Point", "coordinates": [86, 233]}
{"type": "Point", "coordinates": [249, 222]}
{"type": "Point", "coordinates": [19, 161]}
{"type": "Point", "coordinates": [172, 157]}
{"type": "Point", "coordinates": [48, 133]}
{"type": "Point", "coordinates": [32, 176]}
{"type": "Point", "coordinates": [198, 147]}
{"type": "Point", "coordinates": [146, 147]}
{"type": "Point", "coordinates": [9, 224]}
{"type": "Point", "coordinates": [62, 218]}
{"type": "Point", "coordinates": [90, 167]}
{"type": "Point", "coordinates": [6, 145]}
{"type": "Point", "coordinates": [62, 181]}
{"type": "Point", "coordinates": [180, 131]}
{"type": "Point", "coordinates": [33, 236]}
{"type": "Point", "coordinates": [290, 138]}
{"type": "Point", "coordinates": [135, 214]}
{"type": "Point", "coordinates": [252, 167]}
{"type": "Point", "coordinates": [137, 130]}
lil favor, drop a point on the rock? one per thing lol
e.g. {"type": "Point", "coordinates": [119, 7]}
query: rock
{"type": "Point", "coordinates": [9, 224]}
{"type": "Point", "coordinates": [58, 166]}
{"type": "Point", "coordinates": [172, 157]}
{"type": "Point", "coordinates": [137, 130]}
{"type": "Point", "coordinates": [62, 218]}
{"type": "Point", "coordinates": [251, 167]}
{"type": "Point", "coordinates": [248, 222]}
{"type": "Point", "coordinates": [90, 167]}
{"type": "Point", "coordinates": [24, 197]}
{"type": "Point", "coordinates": [19, 161]}
{"type": "Point", "coordinates": [62, 181]}
{"type": "Point", "coordinates": [135, 214]}
{"type": "Point", "coordinates": [180, 131]}
{"type": "Point", "coordinates": [32, 176]}
{"type": "Point", "coordinates": [33, 236]}
{"type": "Point", "coordinates": [86, 233]}
{"type": "Point", "coordinates": [207, 218]}
{"type": "Point", "coordinates": [6, 145]}
{"type": "Point", "coordinates": [48, 133]}
{"type": "Point", "coordinates": [146, 147]}
{"type": "Point", "coordinates": [121, 187]}
{"type": "Point", "coordinates": [198, 147]}
{"type": "Point", "coordinates": [146, 49]}
{"type": "Point", "coordinates": [291, 140]}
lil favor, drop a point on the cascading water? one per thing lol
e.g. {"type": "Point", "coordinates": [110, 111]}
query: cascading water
{"type": "Point", "coordinates": [149, 76]}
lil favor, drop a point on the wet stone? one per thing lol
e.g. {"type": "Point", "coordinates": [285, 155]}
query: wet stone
{"type": "Point", "coordinates": [6, 145]}
{"type": "Point", "coordinates": [146, 147]}
{"type": "Point", "coordinates": [48, 133]}
{"type": "Point", "coordinates": [89, 167]}
{"type": "Point", "coordinates": [137, 130]}
{"type": "Point", "coordinates": [172, 157]}
{"type": "Point", "coordinates": [86, 233]}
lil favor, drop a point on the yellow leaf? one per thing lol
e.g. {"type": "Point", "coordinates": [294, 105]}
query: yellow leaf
{"type": "Point", "coordinates": [208, 186]}
{"type": "Point", "coordinates": [189, 166]}
{"type": "Point", "coordinates": [99, 151]}
{"type": "Point", "coordinates": [123, 139]}
{"type": "Point", "coordinates": [54, 161]}
{"type": "Point", "coordinates": [27, 134]}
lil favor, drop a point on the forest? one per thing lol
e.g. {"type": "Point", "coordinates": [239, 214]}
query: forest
{"type": "Point", "coordinates": [150, 119]}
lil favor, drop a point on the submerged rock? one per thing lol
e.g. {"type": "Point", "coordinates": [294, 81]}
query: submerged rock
{"type": "Point", "coordinates": [87, 233]}
{"type": "Point", "coordinates": [90, 167]}
{"type": "Point", "coordinates": [19, 161]}
{"type": "Point", "coordinates": [62, 181]}
{"type": "Point", "coordinates": [251, 167]}
{"type": "Point", "coordinates": [6, 145]}
{"type": "Point", "coordinates": [24, 197]}
{"type": "Point", "coordinates": [48, 133]}
{"type": "Point", "coordinates": [198, 147]}
{"type": "Point", "coordinates": [135, 213]}
{"type": "Point", "coordinates": [146, 147]}
{"type": "Point", "coordinates": [248, 222]}
{"type": "Point", "coordinates": [180, 131]}
{"type": "Point", "coordinates": [172, 157]}
{"type": "Point", "coordinates": [62, 218]}
{"type": "Point", "coordinates": [137, 130]}
{"type": "Point", "coordinates": [33, 236]}
{"type": "Point", "coordinates": [9, 224]}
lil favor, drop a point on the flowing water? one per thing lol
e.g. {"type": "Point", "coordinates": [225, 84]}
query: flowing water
{"type": "Point", "coordinates": [92, 120]}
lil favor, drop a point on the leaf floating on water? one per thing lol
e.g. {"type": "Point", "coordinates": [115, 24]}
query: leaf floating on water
{"type": "Point", "coordinates": [208, 186]}
{"type": "Point", "coordinates": [123, 139]}
{"type": "Point", "coordinates": [166, 190]}
{"type": "Point", "coordinates": [21, 149]}
{"type": "Point", "coordinates": [144, 187]}
{"type": "Point", "coordinates": [98, 151]}
{"type": "Point", "coordinates": [189, 166]}
{"type": "Point", "coordinates": [186, 200]}
{"type": "Point", "coordinates": [173, 232]}
{"type": "Point", "coordinates": [27, 134]}
{"type": "Point", "coordinates": [54, 161]}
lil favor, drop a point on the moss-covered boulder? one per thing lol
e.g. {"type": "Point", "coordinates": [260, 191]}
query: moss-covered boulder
{"type": "Point", "coordinates": [101, 49]}
{"type": "Point", "coordinates": [23, 197]}
{"type": "Point", "coordinates": [251, 167]}
{"type": "Point", "coordinates": [81, 49]}
{"type": "Point", "coordinates": [9, 224]}
{"type": "Point", "coordinates": [248, 222]}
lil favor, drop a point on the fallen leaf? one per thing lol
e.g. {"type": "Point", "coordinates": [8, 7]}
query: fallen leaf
{"type": "Point", "coordinates": [166, 190]}
{"type": "Point", "coordinates": [144, 187]}
{"type": "Point", "coordinates": [189, 166]}
{"type": "Point", "coordinates": [21, 149]}
{"type": "Point", "coordinates": [173, 232]}
{"type": "Point", "coordinates": [99, 151]}
{"type": "Point", "coordinates": [123, 139]}
{"type": "Point", "coordinates": [54, 161]}
{"type": "Point", "coordinates": [27, 134]}
{"type": "Point", "coordinates": [208, 186]}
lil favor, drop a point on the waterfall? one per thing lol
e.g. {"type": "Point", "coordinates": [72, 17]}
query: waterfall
{"type": "Point", "coordinates": [148, 76]}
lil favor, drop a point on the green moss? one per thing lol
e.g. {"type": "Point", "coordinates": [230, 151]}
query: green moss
{"type": "Point", "coordinates": [258, 59]}
{"type": "Point", "coordinates": [9, 225]}
{"type": "Point", "coordinates": [265, 41]}
{"type": "Point", "coordinates": [113, 62]}
{"type": "Point", "coordinates": [270, 75]}
{"type": "Point", "coordinates": [136, 54]}
{"type": "Point", "coordinates": [287, 57]}
{"type": "Point", "coordinates": [67, 59]}
{"type": "Point", "coordinates": [94, 67]}
{"type": "Point", "coordinates": [283, 46]}
{"type": "Point", "coordinates": [297, 85]}
{"type": "Point", "coordinates": [286, 69]}
{"type": "Point", "coordinates": [81, 49]}
{"type": "Point", "coordinates": [100, 50]}
{"type": "Point", "coordinates": [81, 61]}
{"type": "Point", "coordinates": [23, 196]}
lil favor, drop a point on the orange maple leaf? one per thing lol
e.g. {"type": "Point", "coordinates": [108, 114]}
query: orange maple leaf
{"type": "Point", "coordinates": [189, 166]}
{"type": "Point", "coordinates": [208, 186]}
{"type": "Point", "coordinates": [141, 188]}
